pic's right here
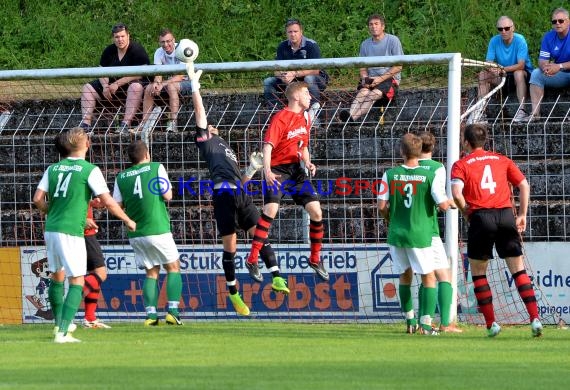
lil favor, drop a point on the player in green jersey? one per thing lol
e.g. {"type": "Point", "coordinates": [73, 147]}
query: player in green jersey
{"type": "Point", "coordinates": [68, 186]}
{"type": "Point", "coordinates": [143, 190]}
{"type": "Point", "coordinates": [441, 262]}
{"type": "Point", "coordinates": [409, 206]}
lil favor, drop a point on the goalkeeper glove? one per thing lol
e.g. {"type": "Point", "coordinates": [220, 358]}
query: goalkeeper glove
{"type": "Point", "coordinates": [193, 76]}
{"type": "Point", "coordinates": [255, 162]}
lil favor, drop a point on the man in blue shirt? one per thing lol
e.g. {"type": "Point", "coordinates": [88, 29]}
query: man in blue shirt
{"type": "Point", "coordinates": [553, 60]}
{"type": "Point", "coordinates": [510, 50]}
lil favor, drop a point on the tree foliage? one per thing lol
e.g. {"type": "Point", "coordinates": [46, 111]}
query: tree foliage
{"type": "Point", "coordinates": [72, 33]}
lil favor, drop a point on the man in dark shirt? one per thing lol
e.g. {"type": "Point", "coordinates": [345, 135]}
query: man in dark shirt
{"type": "Point", "coordinates": [297, 47]}
{"type": "Point", "coordinates": [123, 52]}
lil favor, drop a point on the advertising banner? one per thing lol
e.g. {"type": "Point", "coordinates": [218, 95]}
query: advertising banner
{"type": "Point", "coordinates": [362, 285]}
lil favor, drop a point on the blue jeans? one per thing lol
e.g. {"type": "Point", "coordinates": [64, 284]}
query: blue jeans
{"type": "Point", "coordinates": [559, 80]}
{"type": "Point", "coordinates": [272, 86]}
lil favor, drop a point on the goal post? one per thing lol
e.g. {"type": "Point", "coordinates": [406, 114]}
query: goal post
{"type": "Point", "coordinates": [357, 153]}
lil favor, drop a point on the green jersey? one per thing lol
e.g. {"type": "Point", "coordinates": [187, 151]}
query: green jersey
{"type": "Point", "coordinates": [412, 206]}
{"type": "Point", "coordinates": [69, 187]}
{"type": "Point", "coordinates": [139, 189]}
{"type": "Point", "coordinates": [438, 169]}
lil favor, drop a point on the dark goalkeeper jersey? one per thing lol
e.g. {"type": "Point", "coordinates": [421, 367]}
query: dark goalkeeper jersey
{"type": "Point", "coordinates": [221, 159]}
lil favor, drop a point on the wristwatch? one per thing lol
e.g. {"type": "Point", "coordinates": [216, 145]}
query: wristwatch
{"type": "Point", "coordinates": [561, 66]}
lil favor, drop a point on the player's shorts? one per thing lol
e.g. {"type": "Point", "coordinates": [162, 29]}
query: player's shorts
{"type": "Point", "coordinates": [152, 251]}
{"type": "Point", "coordinates": [294, 181]}
{"type": "Point", "coordinates": [95, 258]}
{"type": "Point", "coordinates": [121, 93]}
{"type": "Point", "coordinates": [493, 227]}
{"type": "Point", "coordinates": [440, 260]}
{"type": "Point", "coordinates": [389, 88]}
{"type": "Point", "coordinates": [419, 259]}
{"type": "Point", "coordinates": [66, 252]}
{"type": "Point", "coordinates": [233, 209]}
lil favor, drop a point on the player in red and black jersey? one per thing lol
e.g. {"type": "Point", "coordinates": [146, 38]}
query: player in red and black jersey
{"type": "Point", "coordinates": [288, 168]}
{"type": "Point", "coordinates": [481, 186]}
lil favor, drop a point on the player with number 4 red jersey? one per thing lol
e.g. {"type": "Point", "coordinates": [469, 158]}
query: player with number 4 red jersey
{"type": "Point", "coordinates": [487, 178]}
{"type": "Point", "coordinates": [481, 187]}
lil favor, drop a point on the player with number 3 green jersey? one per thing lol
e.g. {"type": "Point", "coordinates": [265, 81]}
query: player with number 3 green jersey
{"type": "Point", "coordinates": [410, 191]}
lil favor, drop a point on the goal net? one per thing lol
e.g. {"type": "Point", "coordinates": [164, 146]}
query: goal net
{"type": "Point", "coordinates": [350, 155]}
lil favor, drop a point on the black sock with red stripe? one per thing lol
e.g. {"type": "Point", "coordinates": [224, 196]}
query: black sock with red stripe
{"type": "Point", "coordinates": [91, 291]}
{"type": "Point", "coordinates": [484, 298]}
{"type": "Point", "coordinates": [524, 286]}
{"type": "Point", "coordinates": [316, 233]}
{"type": "Point", "coordinates": [259, 237]}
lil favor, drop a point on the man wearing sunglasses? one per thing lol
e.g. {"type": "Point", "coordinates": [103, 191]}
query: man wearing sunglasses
{"type": "Point", "coordinates": [510, 50]}
{"type": "Point", "coordinates": [553, 60]}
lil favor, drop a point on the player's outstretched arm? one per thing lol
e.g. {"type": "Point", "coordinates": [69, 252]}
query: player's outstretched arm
{"type": "Point", "coordinates": [115, 209]}
{"type": "Point", "coordinates": [199, 110]}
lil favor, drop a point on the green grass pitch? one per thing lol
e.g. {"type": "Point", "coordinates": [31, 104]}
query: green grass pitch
{"type": "Point", "coordinates": [276, 355]}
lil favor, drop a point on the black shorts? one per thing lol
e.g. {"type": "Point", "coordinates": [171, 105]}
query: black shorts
{"type": "Point", "coordinates": [510, 85]}
{"type": "Point", "coordinates": [121, 93]}
{"type": "Point", "coordinates": [95, 258]}
{"type": "Point", "coordinates": [234, 209]}
{"type": "Point", "coordinates": [294, 181]}
{"type": "Point", "coordinates": [389, 88]}
{"type": "Point", "coordinates": [490, 227]}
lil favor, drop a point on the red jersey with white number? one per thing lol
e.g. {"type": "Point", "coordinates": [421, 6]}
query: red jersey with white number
{"type": "Point", "coordinates": [486, 177]}
{"type": "Point", "coordinates": [288, 133]}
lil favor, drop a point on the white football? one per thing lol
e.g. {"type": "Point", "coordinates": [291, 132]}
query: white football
{"type": "Point", "coordinates": [187, 50]}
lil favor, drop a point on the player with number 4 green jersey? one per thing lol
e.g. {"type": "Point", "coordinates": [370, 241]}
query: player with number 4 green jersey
{"type": "Point", "coordinates": [140, 189]}
{"type": "Point", "coordinates": [143, 190]}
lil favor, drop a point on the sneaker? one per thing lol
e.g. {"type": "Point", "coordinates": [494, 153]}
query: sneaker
{"type": "Point", "coordinates": [430, 331]}
{"type": "Point", "coordinates": [173, 319]}
{"type": "Point", "coordinates": [253, 270]}
{"type": "Point", "coordinates": [536, 327]}
{"type": "Point", "coordinates": [279, 284]}
{"type": "Point", "coordinates": [239, 306]}
{"type": "Point", "coordinates": [451, 328]}
{"type": "Point", "coordinates": [70, 329]}
{"type": "Point", "coordinates": [313, 112]}
{"type": "Point", "coordinates": [494, 330]}
{"type": "Point", "coordinates": [95, 324]}
{"type": "Point", "coordinates": [122, 129]}
{"type": "Point", "coordinates": [151, 322]}
{"type": "Point", "coordinates": [319, 268]}
{"type": "Point", "coordinates": [521, 116]}
{"type": "Point", "coordinates": [171, 127]}
{"type": "Point", "coordinates": [411, 329]}
{"type": "Point", "coordinates": [61, 338]}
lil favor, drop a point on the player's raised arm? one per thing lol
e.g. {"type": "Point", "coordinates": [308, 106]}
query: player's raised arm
{"type": "Point", "coordinates": [199, 110]}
